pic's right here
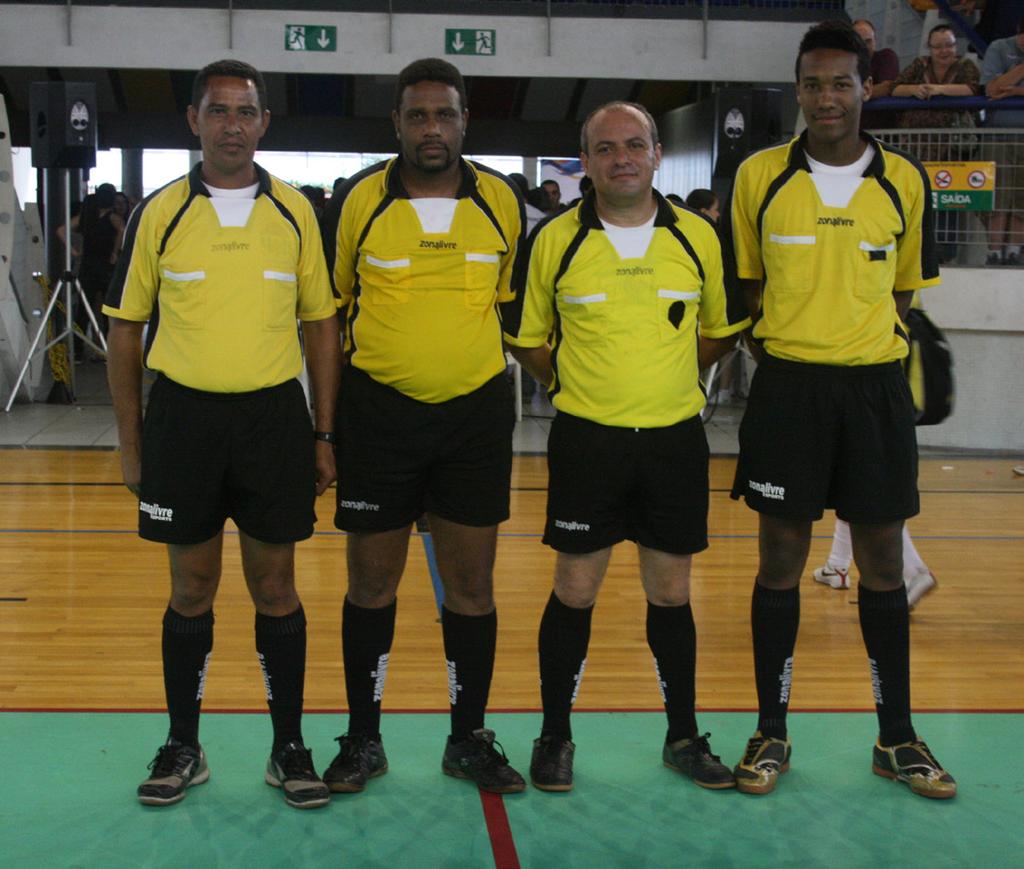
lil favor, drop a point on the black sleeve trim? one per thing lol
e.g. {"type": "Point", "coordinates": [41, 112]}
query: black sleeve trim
{"type": "Point", "coordinates": [735, 304]}
{"type": "Point", "coordinates": [512, 312]}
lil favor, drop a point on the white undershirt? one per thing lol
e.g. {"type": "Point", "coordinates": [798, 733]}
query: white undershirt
{"type": "Point", "coordinates": [435, 213]}
{"type": "Point", "coordinates": [837, 184]}
{"type": "Point", "coordinates": [233, 206]}
{"type": "Point", "coordinates": [630, 242]}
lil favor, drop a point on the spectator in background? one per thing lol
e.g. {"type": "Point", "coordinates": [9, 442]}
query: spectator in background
{"type": "Point", "coordinates": [554, 195]}
{"type": "Point", "coordinates": [317, 198]}
{"type": "Point", "coordinates": [942, 73]}
{"type": "Point", "coordinates": [998, 19]}
{"type": "Point", "coordinates": [538, 198]}
{"type": "Point", "coordinates": [122, 205]}
{"type": "Point", "coordinates": [585, 186]}
{"type": "Point", "coordinates": [885, 66]}
{"type": "Point", "coordinates": [1003, 74]}
{"type": "Point", "coordinates": [102, 233]}
{"type": "Point", "coordinates": [534, 215]}
{"type": "Point", "coordinates": [704, 201]}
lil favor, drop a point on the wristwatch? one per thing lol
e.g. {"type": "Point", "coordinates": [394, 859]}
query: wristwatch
{"type": "Point", "coordinates": [325, 436]}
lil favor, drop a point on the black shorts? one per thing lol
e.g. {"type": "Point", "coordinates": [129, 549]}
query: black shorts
{"type": "Point", "coordinates": [207, 456]}
{"type": "Point", "coordinates": [827, 436]}
{"type": "Point", "coordinates": [399, 458]}
{"type": "Point", "coordinates": [608, 484]}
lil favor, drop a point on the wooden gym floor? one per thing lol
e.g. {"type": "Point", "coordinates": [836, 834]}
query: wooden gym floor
{"type": "Point", "coordinates": [81, 598]}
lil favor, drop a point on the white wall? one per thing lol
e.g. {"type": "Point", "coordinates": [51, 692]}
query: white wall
{"type": "Point", "coordinates": [156, 38]}
{"type": "Point", "coordinates": [982, 313]}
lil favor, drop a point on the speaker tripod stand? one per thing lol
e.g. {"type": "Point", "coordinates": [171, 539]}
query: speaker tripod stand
{"type": "Point", "coordinates": [66, 287]}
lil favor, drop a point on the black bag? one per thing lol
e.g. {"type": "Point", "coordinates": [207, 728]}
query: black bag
{"type": "Point", "coordinates": [929, 369]}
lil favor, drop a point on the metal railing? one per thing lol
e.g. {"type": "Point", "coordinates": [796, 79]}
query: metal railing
{"type": "Point", "coordinates": [977, 179]}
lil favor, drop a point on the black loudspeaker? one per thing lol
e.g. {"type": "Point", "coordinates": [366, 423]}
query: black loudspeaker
{"type": "Point", "coordinates": [62, 123]}
{"type": "Point", "coordinates": [745, 121]}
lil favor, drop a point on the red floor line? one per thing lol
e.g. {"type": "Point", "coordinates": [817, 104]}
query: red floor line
{"type": "Point", "coordinates": [500, 831]}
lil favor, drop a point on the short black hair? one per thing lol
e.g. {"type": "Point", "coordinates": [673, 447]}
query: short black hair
{"type": "Point", "coordinates": [430, 69]}
{"type": "Point", "coordinates": [519, 179]}
{"type": "Point", "coordinates": [701, 197]}
{"type": "Point", "coordinates": [838, 35]}
{"type": "Point", "coordinates": [105, 194]}
{"type": "Point", "coordinates": [232, 69]}
{"type": "Point", "coordinates": [618, 105]}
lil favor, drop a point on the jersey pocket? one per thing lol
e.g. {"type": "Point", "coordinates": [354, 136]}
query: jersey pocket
{"type": "Point", "coordinates": [279, 301]}
{"type": "Point", "coordinates": [182, 299]}
{"type": "Point", "coordinates": [672, 308]}
{"type": "Point", "coordinates": [481, 280]}
{"type": "Point", "coordinates": [387, 280]}
{"type": "Point", "coordinates": [876, 270]}
{"type": "Point", "coordinates": [587, 314]}
{"type": "Point", "coordinates": [789, 263]}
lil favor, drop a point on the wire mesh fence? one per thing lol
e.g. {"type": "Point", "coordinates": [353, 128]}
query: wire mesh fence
{"type": "Point", "coordinates": [977, 180]}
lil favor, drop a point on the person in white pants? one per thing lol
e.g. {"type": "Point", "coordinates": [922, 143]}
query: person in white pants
{"type": "Point", "coordinates": [918, 579]}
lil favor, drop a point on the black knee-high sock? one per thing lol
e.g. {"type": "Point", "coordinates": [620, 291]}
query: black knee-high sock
{"type": "Point", "coordinates": [469, 643]}
{"type": "Point", "coordinates": [562, 648]}
{"type": "Point", "coordinates": [187, 643]}
{"type": "Point", "coordinates": [774, 621]}
{"type": "Point", "coordinates": [366, 637]}
{"type": "Point", "coordinates": [672, 636]}
{"type": "Point", "coordinates": [885, 625]}
{"type": "Point", "coordinates": [281, 648]}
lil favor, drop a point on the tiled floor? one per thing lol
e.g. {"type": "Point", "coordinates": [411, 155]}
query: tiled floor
{"type": "Point", "coordinates": [89, 422]}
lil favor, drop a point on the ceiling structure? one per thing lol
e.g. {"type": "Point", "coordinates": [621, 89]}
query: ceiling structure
{"type": "Point", "coordinates": [142, 108]}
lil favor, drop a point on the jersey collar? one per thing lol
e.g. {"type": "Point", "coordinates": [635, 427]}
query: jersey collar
{"type": "Point", "coordinates": [588, 217]}
{"type": "Point", "coordinates": [396, 189]}
{"type": "Point", "coordinates": [196, 187]}
{"type": "Point", "coordinates": [798, 155]}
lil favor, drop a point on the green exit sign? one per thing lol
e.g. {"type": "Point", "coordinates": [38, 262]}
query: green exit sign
{"type": "Point", "coordinates": [310, 37]}
{"type": "Point", "coordinates": [463, 41]}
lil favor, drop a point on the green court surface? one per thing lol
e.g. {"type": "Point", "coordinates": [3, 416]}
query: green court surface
{"type": "Point", "coordinates": [67, 799]}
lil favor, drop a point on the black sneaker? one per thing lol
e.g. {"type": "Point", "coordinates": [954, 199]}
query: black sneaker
{"type": "Point", "coordinates": [482, 760]}
{"type": "Point", "coordinates": [551, 763]}
{"type": "Point", "coordinates": [693, 757]}
{"type": "Point", "coordinates": [175, 768]}
{"type": "Point", "coordinates": [913, 763]}
{"type": "Point", "coordinates": [361, 757]}
{"type": "Point", "coordinates": [291, 769]}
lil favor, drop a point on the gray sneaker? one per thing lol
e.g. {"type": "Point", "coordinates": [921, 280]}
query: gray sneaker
{"type": "Point", "coordinates": [175, 768]}
{"type": "Point", "coordinates": [693, 758]}
{"type": "Point", "coordinates": [291, 769]}
{"type": "Point", "coordinates": [361, 758]}
{"type": "Point", "coordinates": [482, 760]}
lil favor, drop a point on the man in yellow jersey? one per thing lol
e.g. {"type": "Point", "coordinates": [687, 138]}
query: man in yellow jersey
{"type": "Point", "coordinates": [421, 255]}
{"type": "Point", "coordinates": [832, 232]}
{"type": "Point", "coordinates": [220, 263]}
{"type": "Point", "coordinates": [626, 282]}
